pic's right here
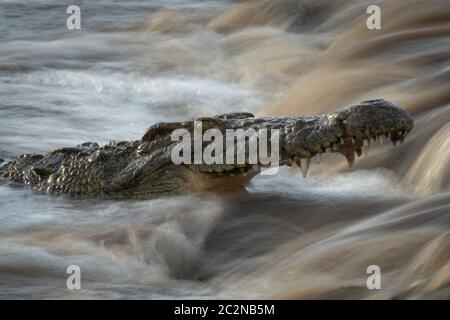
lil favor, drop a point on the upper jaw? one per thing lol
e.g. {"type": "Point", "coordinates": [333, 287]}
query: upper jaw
{"type": "Point", "coordinates": [374, 118]}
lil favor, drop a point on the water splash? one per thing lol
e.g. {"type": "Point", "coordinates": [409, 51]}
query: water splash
{"type": "Point", "coordinates": [136, 63]}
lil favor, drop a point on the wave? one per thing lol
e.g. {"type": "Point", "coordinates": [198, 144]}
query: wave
{"type": "Point", "coordinates": [291, 237]}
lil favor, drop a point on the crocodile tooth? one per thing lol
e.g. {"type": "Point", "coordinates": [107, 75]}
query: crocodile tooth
{"type": "Point", "coordinates": [365, 143]}
{"type": "Point", "coordinates": [380, 140]}
{"type": "Point", "coordinates": [353, 140]}
{"type": "Point", "coordinates": [304, 165]}
{"type": "Point", "coordinates": [318, 158]}
{"type": "Point", "coordinates": [366, 151]}
{"type": "Point", "coordinates": [341, 140]}
{"type": "Point", "coordinates": [365, 147]}
{"type": "Point", "coordinates": [350, 159]}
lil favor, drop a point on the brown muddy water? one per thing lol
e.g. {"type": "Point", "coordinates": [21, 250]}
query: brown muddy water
{"type": "Point", "coordinates": [136, 63]}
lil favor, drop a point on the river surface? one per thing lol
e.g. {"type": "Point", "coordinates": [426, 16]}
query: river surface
{"type": "Point", "coordinates": [135, 63]}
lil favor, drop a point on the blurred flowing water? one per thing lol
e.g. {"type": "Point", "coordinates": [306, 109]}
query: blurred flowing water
{"type": "Point", "coordinates": [135, 63]}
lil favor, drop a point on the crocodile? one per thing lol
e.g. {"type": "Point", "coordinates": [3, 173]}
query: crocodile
{"type": "Point", "coordinates": [144, 169]}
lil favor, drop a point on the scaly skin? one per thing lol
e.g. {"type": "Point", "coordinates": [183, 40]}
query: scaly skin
{"type": "Point", "coordinates": [144, 169]}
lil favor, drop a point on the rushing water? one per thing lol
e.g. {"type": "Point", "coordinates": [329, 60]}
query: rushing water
{"type": "Point", "coordinates": [135, 63]}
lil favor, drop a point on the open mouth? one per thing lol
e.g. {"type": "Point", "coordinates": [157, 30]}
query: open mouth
{"type": "Point", "coordinates": [350, 146]}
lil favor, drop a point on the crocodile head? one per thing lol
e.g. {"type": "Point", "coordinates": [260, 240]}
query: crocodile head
{"type": "Point", "coordinates": [347, 131]}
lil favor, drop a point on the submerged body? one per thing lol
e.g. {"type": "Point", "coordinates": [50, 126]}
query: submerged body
{"type": "Point", "coordinates": [144, 169]}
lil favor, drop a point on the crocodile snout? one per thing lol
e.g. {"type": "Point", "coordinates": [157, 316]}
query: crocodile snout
{"type": "Point", "coordinates": [377, 118]}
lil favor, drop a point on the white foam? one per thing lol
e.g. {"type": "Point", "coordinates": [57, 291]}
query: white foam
{"type": "Point", "coordinates": [377, 183]}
